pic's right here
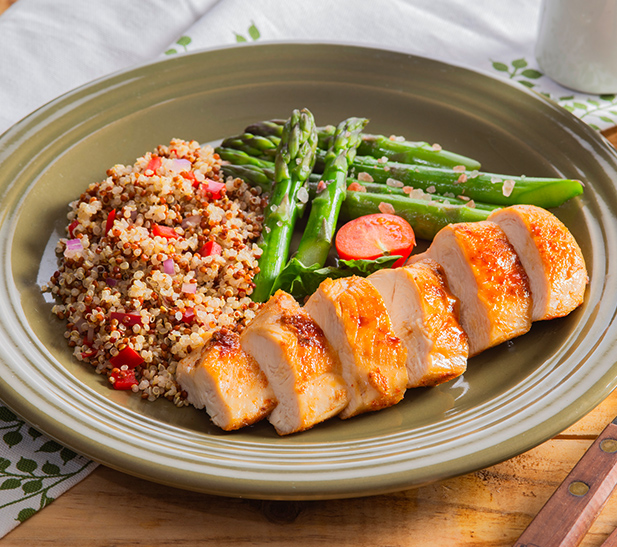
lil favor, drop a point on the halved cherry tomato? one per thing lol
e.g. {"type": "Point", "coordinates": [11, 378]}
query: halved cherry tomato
{"type": "Point", "coordinates": [122, 379]}
{"type": "Point", "coordinates": [371, 236]}
{"type": "Point", "coordinates": [153, 164]}
{"type": "Point", "coordinates": [210, 248]}
{"type": "Point", "coordinates": [164, 231]}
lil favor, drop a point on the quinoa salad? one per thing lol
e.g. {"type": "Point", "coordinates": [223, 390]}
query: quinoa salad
{"type": "Point", "coordinates": [157, 257]}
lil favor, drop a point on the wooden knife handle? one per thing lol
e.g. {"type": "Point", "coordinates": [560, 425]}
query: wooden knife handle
{"type": "Point", "coordinates": [571, 510]}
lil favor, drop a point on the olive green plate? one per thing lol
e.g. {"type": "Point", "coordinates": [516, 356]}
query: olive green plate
{"type": "Point", "coordinates": [512, 398]}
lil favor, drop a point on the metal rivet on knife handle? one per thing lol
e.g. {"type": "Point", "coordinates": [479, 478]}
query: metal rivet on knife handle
{"type": "Point", "coordinates": [578, 488]}
{"type": "Point", "coordinates": [609, 445]}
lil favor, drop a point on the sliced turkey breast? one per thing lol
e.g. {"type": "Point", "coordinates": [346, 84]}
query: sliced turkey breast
{"type": "Point", "coordinates": [299, 363]}
{"type": "Point", "coordinates": [424, 315]}
{"type": "Point", "coordinates": [354, 318]}
{"type": "Point", "coordinates": [486, 275]}
{"type": "Point", "coordinates": [227, 382]}
{"type": "Point", "coordinates": [550, 255]}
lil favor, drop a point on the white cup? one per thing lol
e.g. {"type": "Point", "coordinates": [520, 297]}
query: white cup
{"type": "Point", "coordinates": [577, 44]}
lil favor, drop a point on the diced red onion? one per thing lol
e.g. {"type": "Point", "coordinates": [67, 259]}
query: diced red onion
{"type": "Point", "coordinates": [111, 281]}
{"type": "Point", "coordinates": [81, 324]}
{"type": "Point", "coordinates": [168, 266]}
{"type": "Point", "coordinates": [192, 221]}
{"type": "Point", "coordinates": [90, 336]}
{"type": "Point", "coordinates": [179, 165]}
{"type": "Point", "coordinates": [73, 248]}
{"type": "Point", "coordinates": [74, 244]}
{"type": "Point", "coordinates": [189, 288]}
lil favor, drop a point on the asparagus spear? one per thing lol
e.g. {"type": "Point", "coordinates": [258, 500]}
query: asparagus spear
{"type": "Point", "coordinates": [416, 194]}
{"type": "Point", "coordinates": [379, 146]}
{"type": "Point", "coordinates": [254, 145]}
{"type": "Point", "coordinates": [318, 236]}
{"type": "Point", "coordinates": [321, 225]}
{"type": "Point", "coordinates": [481, 187]}
{"type": "Point", "coordinates": [425, 217]}
{"type": "Point", "coordinates": [240, 157]}
{"type": "Point", "coordinates": [294, 162]}
{"type": "Point", "coordinates": [478, 186]}
{"type": "Point", "coordinates": [255, 176]}
{"type": "Point", "coordinates": [263, 178]}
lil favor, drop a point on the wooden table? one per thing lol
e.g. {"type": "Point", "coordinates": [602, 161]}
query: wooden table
{"type": "Point", "coordinates": [487, 508]}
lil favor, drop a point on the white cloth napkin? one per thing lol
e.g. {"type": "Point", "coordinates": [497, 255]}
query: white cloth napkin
{"type": "Point", "coordinates": [48, 48]}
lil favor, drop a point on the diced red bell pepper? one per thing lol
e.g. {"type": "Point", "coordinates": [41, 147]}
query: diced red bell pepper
{"type": "Point", "coordinates": [123, 379]}
{"type": "Point", "coordinates": [128, 319]}
{"type": "Point", "coordinates": [211, 248]}
{"type": "Point", "coordinates": [188, 315]}
{"type": "Point", "coordinates": [128, 356]}
{"type": "Point", "coordinates": [72, 227]}
{"type": "Point", "coordinates": [88, 354]}
{"type": "Point", "coordinates": [153, 165]}
{"type": "Point", "coordinates": [189, 175]}
{"type": "Point", "coordinates": [164, 231]}
{"type": "Point", "coordinates": [213, 189]}
{"type": "Point", "coordinates": [110, 220]}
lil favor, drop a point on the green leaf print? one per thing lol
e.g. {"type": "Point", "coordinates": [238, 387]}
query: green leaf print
{"type": "Point", "coordinates": [50, 446]}
{"type": "Point", "coordinates": [12, 438]}
{"type": "Point", "coordinates": [34, 433]}
{"type": "Point", "coordinates": [10, 484]}
{"type": "Point", "coordinates": [25, 514]}
{"type": "Point", "coordinates": [253, 33]}
{"type": "Point", "coordinates": [183, 41]}
{"type": "Point", "coordinates": [518, 71]}
{"type": "Point", "coordinates": [50, 469]}
{"type": "Point", "coordinates": [67, 455]}
{"type": "Point", "coordinates": [32, 486]}
{"type": "Point", "coordinates": [6, 415]}
{"type": "Point", "coordinates": [26, 465]}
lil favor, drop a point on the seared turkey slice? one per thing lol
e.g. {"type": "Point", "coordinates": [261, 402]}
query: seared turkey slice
{"type": "Point", "coordinates": [487, 277]}
{"type": "Point", "coordinates": [227, 381]}
{"type": "Point", "coordinates": [424, 315]}
{"type": "Point", "coordinates": [354, 318]}
{"type": "Point", "coordinates": [550, 255]}
{"type": "Point", "coordinates": [300, 366]}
